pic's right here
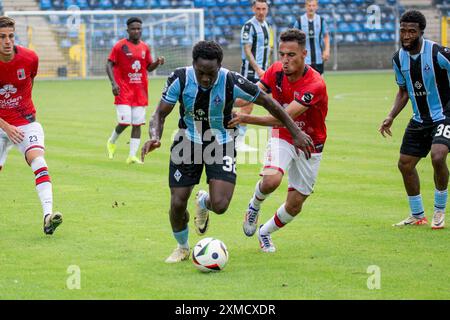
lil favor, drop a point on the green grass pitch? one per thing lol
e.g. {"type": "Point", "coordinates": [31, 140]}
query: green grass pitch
{"type": "Point", "coordinates": [116, 227]}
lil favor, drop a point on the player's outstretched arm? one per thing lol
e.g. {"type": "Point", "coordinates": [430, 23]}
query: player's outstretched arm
{"type": "Point", "coordinates": [294, 109]}
{"type": "Point", "coordinates": [401, 101]}
{"type": "Point", "coordinates": [14, 134]}
{"type": "Point", "coordinates": [300, 139]}
{"type": "Point", "coordinates": [156, 128]}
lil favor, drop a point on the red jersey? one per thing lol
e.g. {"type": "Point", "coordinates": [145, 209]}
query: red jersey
{"type": "Point", "coordinates": [16, 84]}
{"type": "Point", "coordinates": [310, 91]}
{"type": "Point", "coordinates": [130, 71]}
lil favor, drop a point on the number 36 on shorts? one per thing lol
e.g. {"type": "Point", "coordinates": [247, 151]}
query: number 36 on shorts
{"type": "Point", "coordinates": [443, 130]}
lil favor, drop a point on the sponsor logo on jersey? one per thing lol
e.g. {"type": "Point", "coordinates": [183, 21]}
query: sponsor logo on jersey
{"type": "Point", "coordinates": [136, 77]}
{"type": "Point", "coordinates": [200, 115]}
{"type": "Point", "coordinates": [418, 85]}
{"type": "Point", "coordinates": [136, 66]}
{"type": "Point", "coordinates": [21, 74]}
{"type": "Point", "coordinates": [8, 90]}
{"type": "Point", "coordinates": [427, 68]}
{"type": "Point", "coordinates": [9, 102]}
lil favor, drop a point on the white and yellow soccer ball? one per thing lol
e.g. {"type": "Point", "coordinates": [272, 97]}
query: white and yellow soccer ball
{"type": "Point", "coordinates": [210, 254]}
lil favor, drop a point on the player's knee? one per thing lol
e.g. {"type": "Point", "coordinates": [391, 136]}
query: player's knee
{"type": "Point", "coordinates": [439, 158]}
{"type": "Point", "coordinates": [178, 206]}
{"type": "Point", "coordinates": [220, 206]}
{"type": "Point", "coordinates": [270, 184]}
{"type": "Point", "coordinates": [405, 166]}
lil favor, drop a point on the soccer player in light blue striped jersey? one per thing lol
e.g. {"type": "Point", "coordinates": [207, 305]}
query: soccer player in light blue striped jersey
{"type": "Point", "coordinates": [318, 41]}
{"type": "Point", "coordinates": [422, 70]}
{"type": "Point", "coordinates": [206, 93]}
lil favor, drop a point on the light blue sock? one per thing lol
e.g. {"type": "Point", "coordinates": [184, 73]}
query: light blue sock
{"type": "Point", "coordinates": [440, 200]}
{"type": "Point", "coordinates": [202, 201]}
{"type": "Point", "coordinates": [416, 206]}
{"type": "Point", "coordinates": [182, 238]}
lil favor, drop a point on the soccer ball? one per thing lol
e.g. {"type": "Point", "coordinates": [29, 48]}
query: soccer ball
{"type": "Point", "coordinates": [210, 254]}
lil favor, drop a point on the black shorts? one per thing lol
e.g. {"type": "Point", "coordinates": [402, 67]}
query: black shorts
{"type": "Point", "coordinates": [418, 138]}
{"type": "Point", "coordinates": [187, 160]}
{"type": "Point", "coordinates": [318, 67]}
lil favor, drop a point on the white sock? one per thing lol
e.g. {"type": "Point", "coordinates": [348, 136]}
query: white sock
{"type": "Point", "coordinates": [258, 197]}
{"type": "Point", "coordinates": [114, 136]}
{"type": "Point", "coordinates": [43, 184]}
{"type": "Point", "coordinates": [279, 220]}
{"type": "Point", "coordinates": [134, 146]}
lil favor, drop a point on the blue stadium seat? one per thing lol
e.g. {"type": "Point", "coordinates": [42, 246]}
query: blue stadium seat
{"type": "Point", "coordinates": [164, 3]}
{"type": "Point", "coordinates": [209, 3]}
{"type": "Point", "coordinates": [140, 4]}
{"type": "Point", "coordinates": [127, 4]}
{"type": "Point", "coordinates": [105, 4]}
{"type": "Point", "coordinates": [83, 4]}
{"type": "Point", "coordinates": [68, 3]}
{"type": "Point", "coordinates": [46, 5]}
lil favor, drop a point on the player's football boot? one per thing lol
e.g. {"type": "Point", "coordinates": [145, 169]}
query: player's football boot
{"type": "Point", "coordinates": [131, 160]}
{"type": "Point", "coordinates": [438, 221]}
{"type": "Point", "coordinates": [51, 222]}
{"type": "Point", "coordinates": [111, 147]}
{"type": "Point", "coordinates": [411, 221]}
{"type": "Point", "coordinates": [250, 221]}
{"type": "Point", "coordinates": [179, 254]}
{"type": "Point", "coordinates": [265, 242]}
{"type": "Point", "coordinates": [201, 219]}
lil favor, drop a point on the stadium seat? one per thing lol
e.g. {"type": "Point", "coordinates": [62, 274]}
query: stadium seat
{"type": "Point", "coordinates": [127, 4]}
{"type": "Point", "coordinates": [140, 4]}
{"type": "Point", "coordinates": [83, 4]}
{"type": "Point", "coordinates": [105, 4]}
{"type": "Point", "coordinates": [46, 5]}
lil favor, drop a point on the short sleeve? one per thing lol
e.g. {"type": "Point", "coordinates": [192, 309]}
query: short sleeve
{"type": "Point", "coordinates": [311, 96]}
{"type": "Point", "coordinates": [443, 58]}
{"type": "Point", "coordinates": [113, 54]}
{"type": "Point", "coordinates": [325, 30]}
{"type": "Point", "coordinates": [247, 34]}
{"type": "Point", "coordinates": [243, 88]}
{"type": "Point", "coordinates": [172, 89]}
{"type": "Point", "coordinates": [35, 67]}
{"type": "Point", "coordinates": [268, 79]}
{"type": "Point", "coordinates": [401, 81]}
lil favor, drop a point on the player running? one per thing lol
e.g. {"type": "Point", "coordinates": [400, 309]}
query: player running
{"type": "Point", "coordinates": [18, 125]}
{"type": "Point", "coordinates": [206, 93]}
{"type": "Point", "coordinates": [422, 70]}
{"type": "Point", "coordinates": [127, 67]}
{"type": "Point", "coordinates": [302, 90]}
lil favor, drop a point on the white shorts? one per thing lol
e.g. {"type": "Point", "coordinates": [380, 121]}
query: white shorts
{"type": "Point", "coordinates": [33, 139]}
{"type": "Point", "coordinates": [127, 115]}
{"type": "Point", "coordinates": [302, 173]}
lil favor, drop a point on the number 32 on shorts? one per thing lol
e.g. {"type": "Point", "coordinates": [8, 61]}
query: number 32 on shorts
{"type": "Point", "coordinates": [229, 164]}
{"type": "Point", "coordinates": [443, 130]}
